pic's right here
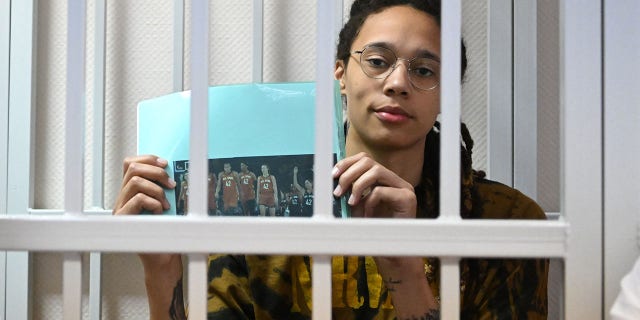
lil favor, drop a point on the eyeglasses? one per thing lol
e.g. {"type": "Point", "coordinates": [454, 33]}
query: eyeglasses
{"type": "Point", "coordinates": [379, 62]}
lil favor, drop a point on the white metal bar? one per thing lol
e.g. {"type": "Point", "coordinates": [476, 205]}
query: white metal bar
{"type": "Point", "coordinates": [72, 286]}
{"type": "Point", "coordinates": [3, 282]}
{"type": "Point", "coordinates": [326, 15]}
{"type": "Point", "coordinates": [450, 108]}
{"type": "Point", "coordinates": [581, 154]}
{"type": "Point", "coordinates": [198, 143]}
{"type": "Point", "coordinates": [468, 238]}
{"type": "Point", "coordinates": [450, 288]}
{"type": "Point", "coordinates": [5, 31]}
{"type": "Point", "coordinates": [321, 286]}
{"type": "Point", "coordinates": [500, 81]}
{"type": "Point", "coordinates": [258, 33]}
{"type": "Point", "coordinates": [197, 270]}
{"type": "Point", "coordinates": [20, 146]}
{"type": "Point", "coordinates": [322, 160]}
{"type": "Point", "coordinates": [95, 286]}
{"type": "Point", "coordinates": [74, 155]}
{"type": "Point", "coordinates": [97, 161]}
{"type": "Point", "coordinates": [74, 151]}
{"type": "Point", "coordinates": [53, 212]}
{"type": "Point", "coordinates": [97, 202]}
{"type": "Point", "coordinates": [339, 14]}
{"type": "Point", "coordinates": [525, 101]}
{"type": "Point", "coordinates": [198, 147]}
{"type": "Point", "coordinates": [622, 142]}
{"type": "Point", "coordinates": [178, 45]}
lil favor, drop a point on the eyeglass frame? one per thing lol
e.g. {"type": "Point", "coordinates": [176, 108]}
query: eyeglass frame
{"type": "Point", "coordinates": [393, 66]}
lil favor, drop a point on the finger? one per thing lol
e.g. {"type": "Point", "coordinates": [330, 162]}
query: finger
{"type": "Point", "coordinates": [342, 165]}
{"type": "Point", "coordinates": [138, 203]}
{"type": "Point", "coordinates": [350, 170]}
{"type": "Point", "coordinates": [151, 172]}
{"type": "Point", "coordinates": [366, 175]}
{"type": "Point", "coordinates": [138, 185]}
{"type": "Point", "coordinates": [146, 159]}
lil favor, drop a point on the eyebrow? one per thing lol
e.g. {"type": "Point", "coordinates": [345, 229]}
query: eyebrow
{"type": "Point", "coordinates": [423, 53]}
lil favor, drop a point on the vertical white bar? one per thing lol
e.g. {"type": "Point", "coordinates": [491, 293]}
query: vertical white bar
{"type": "Point", "coordinates": [20, 146]}
{"type": "Point", "coordinates": [581, 154]}
{"type": "Point", "coordinates": [339, 21]}
{"type": "Point", "coordinates": [72, 286]}
{"type": "Point", "coordinates": [525, 98]}
{"type": "Point", "coordinates": [74, 155]}
{"type": "Point", "coordinates": [197, 269]}
{"type": "Point", "coordinates": [178, 45]}
{"type": "Point", "coordinates": [450, 108]}
{"type": "Point", "coordinates": [322, 162]}
{"type": "Point", "coordinates": [97, 202]}
{"type": "Point", "coordinates": [325, 43]}
{"type": "Point", "coordinates": [450, 288]}
{"type": "Point", "coordinates": [450, 146]}
{"type": "Point", "coordinates": [499, 69]}
{"type": "Point", "coordinates": [258, 26]}
{"type": "Point", "coordinates": [98, 105]}
{"type": "Point", "coordinates": [622, 142]}
{"type": "Point", "coordinates": [321, 287]}
{"type": "Point", "coordinates": [95, 286]}
{"type": "Point", "coordinates": [199, 109]}
{"type": "Point", "coordinates": [5, 31]}
{"type": "Point", "coordinates": [198, 150]}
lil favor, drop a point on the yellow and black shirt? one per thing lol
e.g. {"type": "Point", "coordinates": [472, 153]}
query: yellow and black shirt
{"type": "Point", "coordinates": [279, 287]}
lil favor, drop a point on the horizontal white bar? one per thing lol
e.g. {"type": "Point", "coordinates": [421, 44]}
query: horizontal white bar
{"type": "Point", "coordinates": [57, 212]}
{"type": "Point", "coordinates": [265, 235]}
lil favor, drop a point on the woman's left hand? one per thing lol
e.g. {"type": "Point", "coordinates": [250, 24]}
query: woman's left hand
{"type": "Point", "coordinates": [376, 192]}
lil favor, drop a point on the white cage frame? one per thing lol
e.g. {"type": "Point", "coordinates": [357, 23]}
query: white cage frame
{"type": "Point", "coordinates": [74, 230]}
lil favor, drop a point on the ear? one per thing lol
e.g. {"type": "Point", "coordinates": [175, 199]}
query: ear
{"type": "Point", "coordinates": [339, 73]}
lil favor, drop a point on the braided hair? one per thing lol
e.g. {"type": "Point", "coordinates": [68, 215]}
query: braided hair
{"type": "Point", "coordinates": [428, 193]}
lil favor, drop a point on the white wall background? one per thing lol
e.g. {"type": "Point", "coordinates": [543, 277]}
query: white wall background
{"type": "Point", "coordinates": [139, 66]}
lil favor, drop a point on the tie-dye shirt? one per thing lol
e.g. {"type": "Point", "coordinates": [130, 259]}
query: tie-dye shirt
{"type": "Point", "coordinates": [279, 287]}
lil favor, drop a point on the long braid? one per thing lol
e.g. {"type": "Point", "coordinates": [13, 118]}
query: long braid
{"type": "Point", "coordinates": [430, 204]}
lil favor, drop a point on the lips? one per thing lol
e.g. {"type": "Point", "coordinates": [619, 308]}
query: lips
{"type": "Point", "coordinates": [392, 114]}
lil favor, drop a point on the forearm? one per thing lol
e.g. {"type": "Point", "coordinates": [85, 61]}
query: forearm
{"type": "Point", "coordinates": [164, 290]}
{"type": "Point", "coordinates": [410, 291]}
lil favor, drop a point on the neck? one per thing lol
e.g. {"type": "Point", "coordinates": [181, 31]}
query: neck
{"type": "Point", "coordinates": [406, 162]}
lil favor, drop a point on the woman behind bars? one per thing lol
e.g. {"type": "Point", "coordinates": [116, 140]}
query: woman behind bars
{"type": "Point", "coordinates": [388, 67]}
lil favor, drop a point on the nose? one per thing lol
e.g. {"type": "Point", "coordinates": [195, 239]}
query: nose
{"type": "Point", "coordinates": [397, 82]}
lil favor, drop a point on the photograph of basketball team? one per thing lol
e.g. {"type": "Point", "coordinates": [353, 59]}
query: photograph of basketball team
{"type": "Point", "coordinates": [275, 186]}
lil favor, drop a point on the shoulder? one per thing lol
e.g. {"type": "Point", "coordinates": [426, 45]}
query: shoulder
{"type": "Point", "coordinates": [498, 201]}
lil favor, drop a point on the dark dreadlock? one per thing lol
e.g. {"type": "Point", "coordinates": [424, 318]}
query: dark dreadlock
{"type": "Point", "coordinates": [429, 205]}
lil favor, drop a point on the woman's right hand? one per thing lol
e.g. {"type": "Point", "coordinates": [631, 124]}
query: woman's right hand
{"type": "Point", "coordinates": [143, 183]}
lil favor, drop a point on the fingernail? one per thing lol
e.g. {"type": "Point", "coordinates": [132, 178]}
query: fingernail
{"type": "Point", "coordinates": [172, 183]}
{"type": "Point", "coordinates": [335, 171]}
{"type": "Point", "coordinates": [162, 161]}
{"type": "Point", "coordinates": [351, 200]}
{"type": "Point", "coordinates": [337, 191]}
{"type": "Point", "coordinates": [166, 204]}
